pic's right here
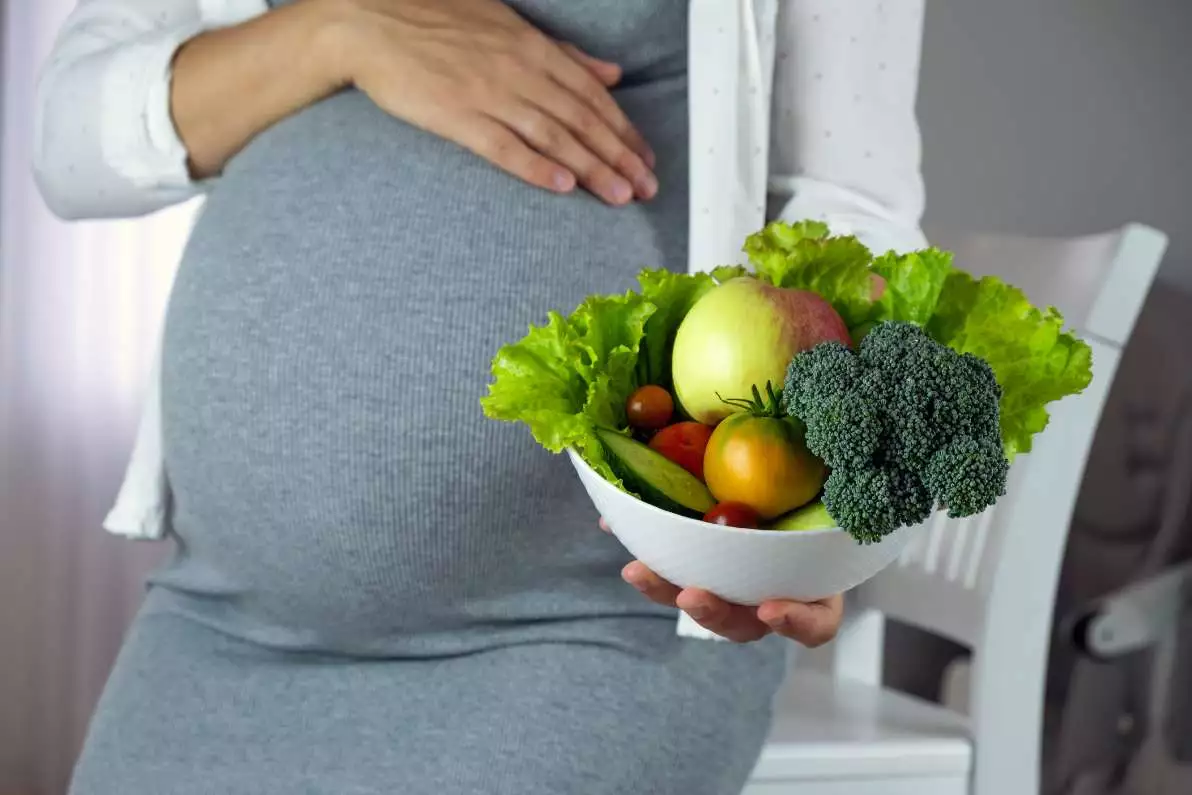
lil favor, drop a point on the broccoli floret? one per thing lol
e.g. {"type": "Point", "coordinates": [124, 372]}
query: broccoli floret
{"type": "Point", "coordinates": [967, 475]}
{"type": "Point", "coordinates": [893, 344]}
{"type": "Point", "coordinates": [846, 431]}
{"type": "Point", "coordinates": [904, 423]}
{"type": "Point", "coordinates": [973, 408]}
{"type": "Point", "coordinates": [873, 501]}
{"type": "Point", "coordinates": [828, 368]}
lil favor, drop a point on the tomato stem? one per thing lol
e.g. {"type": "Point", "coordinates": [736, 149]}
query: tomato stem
{"type": "Point", "coordinates": [769, 406]}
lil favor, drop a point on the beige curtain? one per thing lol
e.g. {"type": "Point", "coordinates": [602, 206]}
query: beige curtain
{"type": "Point", "coordinates": [80, 309]}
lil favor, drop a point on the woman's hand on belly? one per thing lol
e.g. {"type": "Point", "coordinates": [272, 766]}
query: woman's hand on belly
{"type": "Point", "coordinates": [809, 623]}
{"type": "Point", "coordinates": [476, 73]}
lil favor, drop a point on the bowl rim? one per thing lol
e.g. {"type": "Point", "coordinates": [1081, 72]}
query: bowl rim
{"type": "Point", "coordinates": [578, 460]}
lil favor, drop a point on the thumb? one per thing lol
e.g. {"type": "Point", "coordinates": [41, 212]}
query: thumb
{"type": "Point", "coordinates": [606, 72]}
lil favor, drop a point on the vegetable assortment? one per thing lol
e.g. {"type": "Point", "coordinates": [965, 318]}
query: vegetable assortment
{"type": "Point", "coordinates": [822, 387]}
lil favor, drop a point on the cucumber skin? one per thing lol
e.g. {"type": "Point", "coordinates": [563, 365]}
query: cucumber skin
{"type": "Point", "coordinates": [820, 519]}
{"type": "Point", "coordinates": [640, 487]}
{"type": "Point", "coordinates": [644, 491]}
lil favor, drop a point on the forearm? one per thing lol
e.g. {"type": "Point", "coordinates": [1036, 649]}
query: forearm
{"type": "Point", "coordinates": [231, 84]}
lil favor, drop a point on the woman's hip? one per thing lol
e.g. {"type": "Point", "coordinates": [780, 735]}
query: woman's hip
{"type": "Point", "coordinates": [670, 715]}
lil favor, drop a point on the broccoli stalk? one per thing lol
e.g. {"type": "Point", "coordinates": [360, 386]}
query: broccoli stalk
{"type": "Point", "coordinates": [904, 423]}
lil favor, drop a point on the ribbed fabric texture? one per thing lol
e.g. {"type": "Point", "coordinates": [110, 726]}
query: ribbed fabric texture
{"type": "Point", "coordinates": [328, 341]}
{"type": "Point", "coordinates": [394, 574]}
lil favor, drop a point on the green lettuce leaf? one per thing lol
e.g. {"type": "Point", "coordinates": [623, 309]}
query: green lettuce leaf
{"type": "Point", "coordinates": [802, 256]}
{"type": "Point", "coordinates": [538, 382]}
{"type": "Point", "coordinates": [571, 376]}
{"type": "Point", "coordinates": [609, 333]}
{"type": "Point", "coordinates": [725, 272]}
{"type": "Point", "coordinates": [1035, 361]}
{"type": "Point", "coordinates": [768, 247]}
{"type": "Point", "coordinates": [672, 295]}
{"type": "Point", "coordinates": [913, 284]}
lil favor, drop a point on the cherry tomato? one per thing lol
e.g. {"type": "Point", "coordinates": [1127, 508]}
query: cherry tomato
{"type": "Point", "coordinates": [733, 514]}
{"type": "Point", "coordinates": [684, 443]}
{"type": "Point", "coordinates": [650, 407]}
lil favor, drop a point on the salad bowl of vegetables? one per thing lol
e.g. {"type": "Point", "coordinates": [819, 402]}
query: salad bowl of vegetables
{"type": "Point", "coordinates": [782, 431]}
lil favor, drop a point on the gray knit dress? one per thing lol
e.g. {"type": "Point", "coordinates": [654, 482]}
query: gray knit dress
{"type": "Point", "coordinates": [376, 589]}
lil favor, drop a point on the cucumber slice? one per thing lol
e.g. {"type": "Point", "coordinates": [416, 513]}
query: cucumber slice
{"type": "Point", "coordinates": [813, 516]}
{"type": "Point", "coordinates": [658, 480]}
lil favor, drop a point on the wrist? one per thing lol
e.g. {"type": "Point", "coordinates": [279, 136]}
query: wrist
{"type": "Point", "coordinates": [333, 25]}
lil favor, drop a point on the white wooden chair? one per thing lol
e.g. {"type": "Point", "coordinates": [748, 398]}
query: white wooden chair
{"type": "Point", "coordinates": [987, 582]}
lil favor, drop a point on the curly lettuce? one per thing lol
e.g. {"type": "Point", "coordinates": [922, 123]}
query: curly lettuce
{"type": "Point", "coordinates": [803, 256]}
{"type": "Point", "coordinates": [572, 376]}
{"type": "Point", "coordinates": [673, 295]}
{"type": "Point", "coordinates": [840, 269]}
{"type": "Point", "coordinates": [1036, 362]}
{"type": "Point", "coordinates": [913, 283]}
{"type": "Point", "coordinates": [568, 378]}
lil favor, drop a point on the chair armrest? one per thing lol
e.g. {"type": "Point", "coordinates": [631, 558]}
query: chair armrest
{"type": "Point", "coordinates": [1134, 617]}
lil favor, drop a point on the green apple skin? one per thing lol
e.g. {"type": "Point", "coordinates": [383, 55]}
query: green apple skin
{"type": "Point", "coordinates": [742, 334]}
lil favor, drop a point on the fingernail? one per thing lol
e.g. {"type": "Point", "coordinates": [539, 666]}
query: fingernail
{"type": "Point", "coordinates": [649, 157]}
{"type": "Point", "coordinates": [699, 612]}
{"type": "Point", "coordinates": [564, 180]}
{"type": "Point", "coordinates": [647, 186]}
{"type": "Point", "coordinates": [775, 622]}
{"type": "Point", "coordinates": [621, 191]}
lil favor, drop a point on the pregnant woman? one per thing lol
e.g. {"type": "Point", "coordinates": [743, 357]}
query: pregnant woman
{"type": "Point", "coordinates": [374, 589]}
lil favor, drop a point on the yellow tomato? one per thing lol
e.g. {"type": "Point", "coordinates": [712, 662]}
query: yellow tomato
{"type": "Point", "coordinates": [763, 463]}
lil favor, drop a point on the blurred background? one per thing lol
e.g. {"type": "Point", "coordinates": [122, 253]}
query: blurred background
{"type": "Point", "coordinates": [1055, 118]}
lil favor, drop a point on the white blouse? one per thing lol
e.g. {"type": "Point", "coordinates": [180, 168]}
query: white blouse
{"type": "Point", "coordinates": [798, 109]}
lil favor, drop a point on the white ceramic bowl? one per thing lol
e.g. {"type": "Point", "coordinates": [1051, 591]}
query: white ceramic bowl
{"type": "Point", "coordinates": [742, 566]}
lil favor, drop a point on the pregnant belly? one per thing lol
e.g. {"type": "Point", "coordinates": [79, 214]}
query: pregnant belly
{"type": "Point", "coordinates": [328, 341]}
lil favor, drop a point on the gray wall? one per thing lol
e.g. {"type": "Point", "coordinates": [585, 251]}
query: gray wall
{"type": "Point", "coordinates": [1060, 117]}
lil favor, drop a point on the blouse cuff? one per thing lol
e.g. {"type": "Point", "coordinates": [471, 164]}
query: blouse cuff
{"type": "Point", "coordinates": [847, 212]}
{"type": "Point", "coordinates": [147, 152]}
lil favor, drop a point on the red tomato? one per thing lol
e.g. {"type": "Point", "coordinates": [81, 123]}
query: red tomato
{"type": "Point", "coordinates": [649, 408]}
{"type": "Point", "coordinates": [684, 443]}
{"type": "Point", "coordinates": [733, 514]}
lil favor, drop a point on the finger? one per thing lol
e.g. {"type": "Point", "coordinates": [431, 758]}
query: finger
{"type": "Point", "coordinates": [595, 133]}
{"type": "Point", "coordinates": [496, 143]}
{"type": "Point", "coordinates": [810, 623]}
{"type": "Point", "coordinates": [654, 587]}
{"type": "Point", "coordinates": [604, 526]}
{"type": "Point", "coordinates": [735, 622]}
{"type": "Point", "coordinates": [553, 139]}
{"type": "Point", "coordinates": [581, 83]}
{"type": "Point", "coordinates": [606, 72]}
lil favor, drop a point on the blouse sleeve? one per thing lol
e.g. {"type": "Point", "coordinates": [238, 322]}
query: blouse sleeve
{"type": "Point", "coordinates": [845, 143]}
{"type": "Point", "coordinates": [105, 145]}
